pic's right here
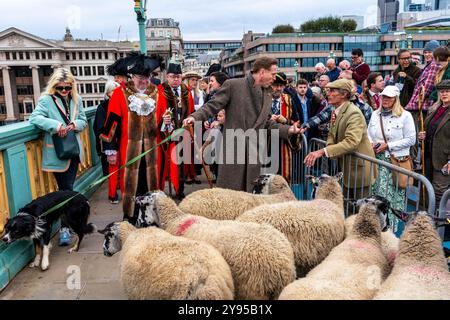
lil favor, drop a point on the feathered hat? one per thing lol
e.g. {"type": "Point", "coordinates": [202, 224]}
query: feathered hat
{"type": "Point", "coordinates": [136, 63]}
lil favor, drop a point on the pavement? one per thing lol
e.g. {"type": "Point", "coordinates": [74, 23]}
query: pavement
{"type": "Point", "coordinates": [83, 275]}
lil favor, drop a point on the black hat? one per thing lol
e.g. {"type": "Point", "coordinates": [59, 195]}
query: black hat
{"type": "Point", "coordinates": [215, 67]}
{"type": "Point", "coordinates": [443, 85]}
{"type": "Point", "coordinates": [141, 64]}
{"type": "Point", "coordinates": [280, 78]}
{"type": "Point", "coordinates": [174, 68]}
{"type": "Point", "coordinates": [119, 68]}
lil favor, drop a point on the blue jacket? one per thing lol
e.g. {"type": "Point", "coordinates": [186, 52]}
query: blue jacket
{"type": "Point", "coordinates": [334, 74]}
{"type": "Point", "coordinates": [47, 117]}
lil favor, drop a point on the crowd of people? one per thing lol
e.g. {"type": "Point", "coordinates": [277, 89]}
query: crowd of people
{"type": "Point", "coordinates": [346, 104]}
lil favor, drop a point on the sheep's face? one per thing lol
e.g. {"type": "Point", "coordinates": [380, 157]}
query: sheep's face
{"type": "Point", "coordinates": [112, 243]}
{"type": "Point", "coordinates": [419, 218]}
{"type": "Point", "coordinates": [381, 205]}
{"type": "Point", "coordinates": [262, 184]}
{"type": "Point", "coordinates": [324, 179]}
{"type": "Point", "coordinates": [148, 215]}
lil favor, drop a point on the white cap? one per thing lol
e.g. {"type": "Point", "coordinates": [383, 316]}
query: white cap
{"type": "Point", "coordinates": [391, 91]}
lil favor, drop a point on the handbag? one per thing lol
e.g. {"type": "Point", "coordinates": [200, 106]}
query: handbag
{"type": "Point", "coordinates": [402, 180]}
{"type": "Point", "coordinates": [67, 147]}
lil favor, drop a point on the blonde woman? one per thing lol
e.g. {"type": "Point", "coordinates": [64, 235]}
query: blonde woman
{"type": "Point", "coordinates": [392, 139]}
{"type": "Point", "coordinates": [191, 79]}
{"type": "Point", "coordinates": [59, 111]}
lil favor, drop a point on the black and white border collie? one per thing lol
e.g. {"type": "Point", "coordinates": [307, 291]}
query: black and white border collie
{"type": "Point", "coordinates": [29, 223]}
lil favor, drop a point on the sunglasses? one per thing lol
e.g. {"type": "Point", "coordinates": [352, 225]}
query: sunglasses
{"type": "Point", "coordinates": [63, 88]}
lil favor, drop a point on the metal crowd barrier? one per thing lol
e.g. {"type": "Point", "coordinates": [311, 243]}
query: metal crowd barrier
{"type": "Point", "coordinates": [412, 196]}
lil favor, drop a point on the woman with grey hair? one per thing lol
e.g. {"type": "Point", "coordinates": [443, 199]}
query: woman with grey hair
{"type": "Point", "coordinates": [100, 118]}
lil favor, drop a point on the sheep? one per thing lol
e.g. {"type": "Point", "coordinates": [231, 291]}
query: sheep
{"type": "Point", "coordinates": [155, 265]}
{"type": "Point", "coordinates": [226, 204]}
{"type": "Point", "coordinates": [312, 227]}
{"type": "Point", "coordinates": [389, 242]}
{"type": "Point", "coordinates": [420, 271]}
{"type": "Point", "coordinates": [353, 269]}
{"type": "Point", "coordinates": [260, 257]}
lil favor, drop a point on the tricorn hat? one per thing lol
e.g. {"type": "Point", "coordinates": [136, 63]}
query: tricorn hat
{"type": "Point", "coordinates": [280, 78]}
{"type": "Point", "coordinates": [142, 64]}
{"type": "Point", "coordinates": [174, 68]}
{"type": "Point", "coordinates": [215, 67]}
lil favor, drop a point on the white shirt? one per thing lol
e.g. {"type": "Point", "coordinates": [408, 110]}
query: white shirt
{"type": "Point", "coordinates": [201, 101]}
{"type": "Point", "coordinates": [400, 132]}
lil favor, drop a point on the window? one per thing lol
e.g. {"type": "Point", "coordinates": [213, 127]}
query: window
{"type": "Point", "coordinates": [90, 103]}
{"type": "Point", "coordinates": [7, 56]}
{"type": "Point", "coordinates": [49, 55]}
{"type": "Point", "coordinates": [74, 56]}
{"type": "Point", "coordinates": [27, 55]}
{"type": "Point", "coordinates": [106, 55]}
{"type": "Point", "coordinates": [74, 70]}
{"type": "Point", "coordinates": [88, 87]}
{"type": "Point", "coordinates": [81, 89]}
{"type": "Point", "coordinates": [152, 34]}
{"type": "Point", "coordinates": [161, 33]}
{"type": "Point", "coordinates": [99, 55]}
{"type": "Point", "coordinates": [48, 71]}
{"type": "Point", "coordinates": [95, 88]}
{"type": "Point", "coordinates": [2, 91]}
{"type": "Point", "coordinates": [2, 108]}
{"type": "Point", "coordinates": [67, 56]}
{"type": "Point", "coordinates": [80, 71]}
{"type": "Point", "coordinates": [20, 55]}
{"type": "Point", "coordinates": [94, 71]}
{"type": "Point", "coordinates": [101, 70]}
{"type": "Point", "coordinates": [24, 90]}
{"type": "Point", "coordinates": [93, 55]}
{"type": "Point", "coordinates": [28, 107]}
{"type": "Point", "coordinates": [14, 56]}
{"type": "Point", "coordinates": [87, 71]}
{"type": "Point", "coordinates": [22, 72]}
{"type": "Point", "coordinates": [101, 87]}
{"type": "Point", "coordinates": [80, 55]}
{"type": "Point", "coordinates": [286, 62]}
{"type": "Point", "coordinates": [86, 55]}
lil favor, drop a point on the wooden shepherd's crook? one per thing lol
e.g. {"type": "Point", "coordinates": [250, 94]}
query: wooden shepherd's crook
{"type": "Point", "coordinates": [191, 132]}
{"type": "Point", "coordinates": [422, 128]}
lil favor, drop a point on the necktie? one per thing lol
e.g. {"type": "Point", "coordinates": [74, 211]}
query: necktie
{"type": "Point", "coordinates": [177, 105]}
{"type": "Point", "coordinates": [376, 97]}
{"type": "Point", "coordinates": [333, 117]}
{"type": "Point", "coordinates": [175, 92]}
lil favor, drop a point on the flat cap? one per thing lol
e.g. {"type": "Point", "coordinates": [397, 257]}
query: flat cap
{"type": "Point", "coordinates": [343, 84]}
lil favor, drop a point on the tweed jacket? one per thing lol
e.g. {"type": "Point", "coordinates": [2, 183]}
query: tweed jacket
{"type": "Point", "coordinates": [440, 144]}
{"type": "Point", "coordinates": [348, 135]}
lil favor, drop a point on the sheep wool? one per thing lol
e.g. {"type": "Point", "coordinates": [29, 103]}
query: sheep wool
{"type": "Point", "coordinates": [260, 257]}
{"type": "Point", "coordinates": [420, 271]}
{"type": "Point", "coordinates": [389, 242]}
{"type": "Point", "coordinates": [155, 265]}
{"type": "Point", "coordinates": [352, 271]}
{"type": "Point", "coordinates": [226, 204]}
{"type": "Point", "coordinates": [313, 228]}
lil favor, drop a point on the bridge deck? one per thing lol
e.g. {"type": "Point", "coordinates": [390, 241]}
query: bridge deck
{"type": "Point", "coordinates": [99, 275]}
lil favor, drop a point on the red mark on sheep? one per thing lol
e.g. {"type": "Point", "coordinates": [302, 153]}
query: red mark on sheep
{"type": "Point", "coordinates": [184, 227]}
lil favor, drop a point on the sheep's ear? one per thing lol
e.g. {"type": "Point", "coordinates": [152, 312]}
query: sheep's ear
{"type": "Point", "coordinates": [339, 176]}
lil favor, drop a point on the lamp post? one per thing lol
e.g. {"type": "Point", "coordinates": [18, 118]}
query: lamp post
{"type": "Point", "coordinates": [409, 39]}
{"type": "Point", "coordinates": [332, 55]}
{"type": "Point", "coordinates": [141, 11]}
{"type": "Point", "coordinates": [397, 44]}
{"type": "Point", "coordinates": [296, 71]}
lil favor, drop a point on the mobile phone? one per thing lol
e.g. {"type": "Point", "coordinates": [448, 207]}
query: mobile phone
{"type": "Point", "coordinates": [376, 146]}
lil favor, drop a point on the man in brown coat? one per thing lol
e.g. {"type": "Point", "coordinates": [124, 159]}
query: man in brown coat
{"type": "Point", "coordinates": [348, 134]}
{"type": "Point", "coordinates": [247, 103]}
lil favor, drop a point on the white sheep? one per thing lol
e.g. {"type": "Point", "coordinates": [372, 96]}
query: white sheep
{"type": "Point", "coordinates": [260, 257]}
{"type": "Point", "coordinates": [155, 265]}
{"type": "Point", "coordinates": [354, 269]}
{"type": "Point", "coordinates": [420, 271]}
{"type": "Point", "coordinates": [226, 204]}
{"type": "Point", "coordinates": [389, 242]}
{"type": "Point", "coordinates": [313, 227]}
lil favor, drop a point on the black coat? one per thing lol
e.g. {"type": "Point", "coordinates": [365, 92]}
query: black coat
{"type": "Point", "coordinates": [100, 118]}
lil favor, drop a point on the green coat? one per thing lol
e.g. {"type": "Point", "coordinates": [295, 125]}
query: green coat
{"type": "Point", "coordinates": [47, 118]}
{"type": "Point", "coordinates": [440, 144]}
{"type": "Point", "coordinates": [348, 135]}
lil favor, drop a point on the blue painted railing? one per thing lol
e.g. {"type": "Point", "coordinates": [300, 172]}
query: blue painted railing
{"type": "Point", "coordinates": [13, 139]}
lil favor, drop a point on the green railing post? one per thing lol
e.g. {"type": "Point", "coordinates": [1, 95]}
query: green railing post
{"type": "Point", "coordinates": [140, 9]}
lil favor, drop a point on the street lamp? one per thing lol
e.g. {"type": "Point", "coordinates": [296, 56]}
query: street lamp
{"type": "Point", "coordinates": [397, 44]}
{"type": "Point", "coordinates": [332, 55]}
{"type": "Point", "coordinates": [409, 39]}
{"type": "Point", "coordinates": [296, 71]}
{"type": "Point", "coordinates": [141, 13]}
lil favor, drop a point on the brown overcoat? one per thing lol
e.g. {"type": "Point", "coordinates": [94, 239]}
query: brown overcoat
{"type": "Point", "coordinates": [440, 143]}
{"type": "Point", "coordinates": [247, 106]}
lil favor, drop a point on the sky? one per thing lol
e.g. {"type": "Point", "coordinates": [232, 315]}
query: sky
{"type": "Point", "coordinates": [199, 19]}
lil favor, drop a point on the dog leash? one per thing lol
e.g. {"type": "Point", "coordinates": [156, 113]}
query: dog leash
{"type": "Point", "coordinates": [92, 185]}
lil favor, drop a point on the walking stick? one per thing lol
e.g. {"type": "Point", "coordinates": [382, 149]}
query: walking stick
{"type": "Point", "coordinates": [167, 152]}
{"type": "Point", "coordinates": [191, 132]}
{"type": "Point", "coordinates": [422, 128]}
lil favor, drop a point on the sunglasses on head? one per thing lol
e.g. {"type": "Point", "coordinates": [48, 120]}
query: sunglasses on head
{"type": "Point", "coordinates": [63, 88]}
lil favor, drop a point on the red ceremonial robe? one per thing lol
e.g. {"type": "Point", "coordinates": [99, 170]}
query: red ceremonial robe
{"type": "Point", "coordinates": [168, 100]}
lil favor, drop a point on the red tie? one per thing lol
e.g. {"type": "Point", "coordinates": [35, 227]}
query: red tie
{"type": "Point", "coordinates": [376, 97]}
{"type": "Point", "coordinates": [333, 117]}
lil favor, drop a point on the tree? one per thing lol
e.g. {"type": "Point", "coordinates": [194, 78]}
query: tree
{"type": "Point", "coordinates": [283, 28]}
{"type": "Point", "coordinates": [328, 24]}
{"type": "Point", "coordinates": [349, 25]}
